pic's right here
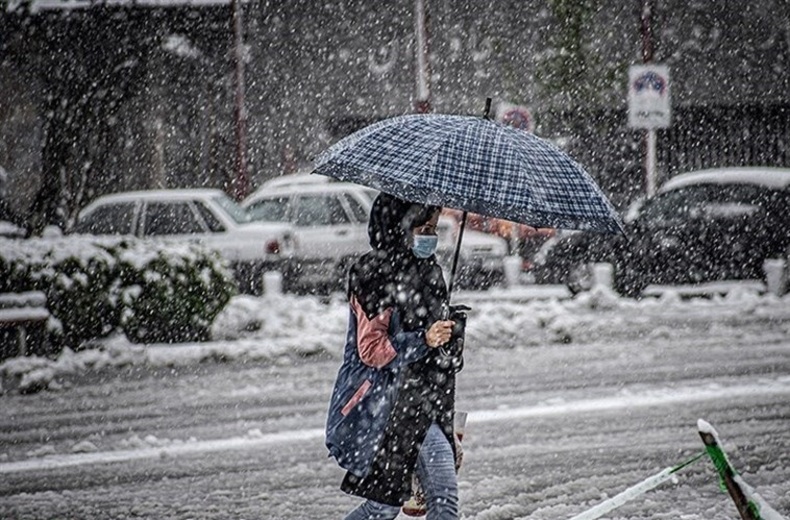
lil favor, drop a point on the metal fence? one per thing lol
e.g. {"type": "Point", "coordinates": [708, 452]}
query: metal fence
{"type": "Point", "coordinates": [719, 136]}
{"type": "Point", "coordinates": [700, 137]}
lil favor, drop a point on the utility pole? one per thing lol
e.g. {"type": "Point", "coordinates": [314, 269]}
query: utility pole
{"type": "Point", "coordinates": [241, 181]}
{"type": "Point", "coordinates": [650, 133]}
{"type": "Point", "coordinates": [422, 103]}
{"type": "Point", "coordinates": [647, 31]}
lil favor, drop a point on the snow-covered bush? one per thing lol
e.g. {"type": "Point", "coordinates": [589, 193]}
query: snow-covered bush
{"type": "Point", "coordinates": [154, 291]}
{"type": "Point", "coordinates": [172, 292]}
{"type": "Point", "coordinates": [19, 259]}
{"type": "Point", "coordinates": [81, 285]}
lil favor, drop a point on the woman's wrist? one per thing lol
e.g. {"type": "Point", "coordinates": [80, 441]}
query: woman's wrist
{"type": "Point", "coordinates": [424, 334]}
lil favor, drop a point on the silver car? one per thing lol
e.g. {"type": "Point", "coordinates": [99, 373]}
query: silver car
{"type": "Point", "coordinates": [205, 216]}
{"type": "Point", "coordinates": [481, 261]}
{"type": "Point", "coordinates": [331, 230]}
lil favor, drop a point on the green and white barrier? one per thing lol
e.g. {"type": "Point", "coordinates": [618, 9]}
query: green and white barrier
{"type": "Point", "coordinates": [634, 491]}
{"type": "Point", "coordinates": [750, 504]}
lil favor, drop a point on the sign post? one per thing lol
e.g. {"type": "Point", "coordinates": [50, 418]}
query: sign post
{"type": "Point", "coordinates": [518, 117]}
{"type": "Point", "coordinates": [649, 108]}
{"type": "Point", "coordinates": [241, 184]}
{"type": "Point", "coordinates": [422, 104]}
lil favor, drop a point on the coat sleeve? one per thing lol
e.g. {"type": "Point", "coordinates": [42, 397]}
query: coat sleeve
{"type": "Point", "coordinates": [381, 341]}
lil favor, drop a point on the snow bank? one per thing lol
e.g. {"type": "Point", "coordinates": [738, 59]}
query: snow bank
{"type": "Point", "coordinates": [276, 327]}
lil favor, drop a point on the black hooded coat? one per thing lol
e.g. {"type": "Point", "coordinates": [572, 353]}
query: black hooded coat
{"type": "Point", "coordinates": [391, 276]}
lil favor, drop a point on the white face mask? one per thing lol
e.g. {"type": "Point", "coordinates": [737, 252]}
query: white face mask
{"type": "Point", "coordinates": [424, 245]}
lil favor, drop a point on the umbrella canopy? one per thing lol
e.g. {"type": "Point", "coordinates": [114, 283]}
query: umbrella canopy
{"type": "Point", "coordinates": [475, 165]}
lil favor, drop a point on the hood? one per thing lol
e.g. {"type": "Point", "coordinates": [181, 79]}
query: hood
{"type": "Point", "coordinates": [391, 220]}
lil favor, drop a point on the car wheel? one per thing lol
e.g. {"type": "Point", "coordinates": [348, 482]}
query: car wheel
{"type": "Point", "coordinates": [496, 278]}
{"type": "Point", "coordinates": [629, 284]}
{"type": "Point", "coordinates": [482, 282]}
{"type": "Point", "coordinates": [248, 278]}
{"type": "Point", "coordinates": [290, 278]}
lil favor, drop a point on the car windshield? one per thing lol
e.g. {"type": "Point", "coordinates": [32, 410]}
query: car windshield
{"type": "Point", "coordinates": [705, 201]}
{"type": "Point", "coordinates": [236, 212]}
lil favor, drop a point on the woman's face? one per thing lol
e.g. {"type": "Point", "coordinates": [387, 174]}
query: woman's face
{"type": "Point", "coordinates": [424, 239]}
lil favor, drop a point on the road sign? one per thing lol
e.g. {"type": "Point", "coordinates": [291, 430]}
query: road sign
{"type": "Point", "coordinates": [648, 96]}
{"type": "Point", "coordinates": [516, 116]}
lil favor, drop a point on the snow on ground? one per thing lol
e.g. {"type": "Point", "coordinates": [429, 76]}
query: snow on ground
{"type": "Point", "coordinates": [133, 448]}
{"type": "Point", "coordinates": [570, 400]}
{"type": "Point", "coordinates": [267, 328]}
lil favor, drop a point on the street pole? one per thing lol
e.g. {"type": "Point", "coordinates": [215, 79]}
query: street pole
{"type": "Point", "coordinates": [422, 103]}
{"type": "Point", "coordinates": [649, 137]}
{"type": "Point", "coordinates": [241, 182]}
{"type": "Point", "coordinates": [650, 161]}
{"type": "Point", "coordinates": [647, 31]}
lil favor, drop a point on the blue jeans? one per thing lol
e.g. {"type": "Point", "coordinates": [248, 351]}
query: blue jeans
{"type": "Point", "coordinates": [436, 471]}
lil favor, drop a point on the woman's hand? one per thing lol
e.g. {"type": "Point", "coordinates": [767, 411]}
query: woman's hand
{"type": "Point", "coordinates": [439, 333]}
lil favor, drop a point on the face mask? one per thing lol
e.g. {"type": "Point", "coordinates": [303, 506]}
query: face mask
{"type": "Point", "coordinates": [424, 245]}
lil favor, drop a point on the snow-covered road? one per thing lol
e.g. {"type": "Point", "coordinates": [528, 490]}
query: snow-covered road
{"type": "Point", "coordinates": [570, 402]}
{"type": "Point", "coordinates": [255, 440]}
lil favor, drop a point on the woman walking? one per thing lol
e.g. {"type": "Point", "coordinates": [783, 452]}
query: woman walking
{"type": "Point", "coordinates": [392, 408]}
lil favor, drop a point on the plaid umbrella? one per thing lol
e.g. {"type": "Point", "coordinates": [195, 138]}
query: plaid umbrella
{"type": "Point", "coordinates": [472, 164]}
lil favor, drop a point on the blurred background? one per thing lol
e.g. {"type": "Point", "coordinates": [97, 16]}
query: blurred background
{"type": "Point", "coordinates": [110, 96]}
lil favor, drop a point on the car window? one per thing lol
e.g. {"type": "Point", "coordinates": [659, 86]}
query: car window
{"type": "Point", "coordinates": [680, 204]}
{"type": "Point", "coordinates": [269, 210]}
{"type": "Point", "coordinates": [111, 219]}
{"type": "Point", "coordinates": [319, 210]}
{"type": "Point", "coordinates": [707, 201]}
{"type": "Point", "coordinates": [370, 193]}
{"type": "Point", "coordinates": [741, 200]}
{"type": "Point", "coordinates": [209, 217]}
{"type": "Point", "coordinates": [359, 211]}
{"type": "Point", "coordinates": [236, 212]}
{"type": "Point", "coordinates": [170, 218]}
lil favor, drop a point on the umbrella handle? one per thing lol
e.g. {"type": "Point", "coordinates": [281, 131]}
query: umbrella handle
{"type": "Point", "coordinates": [455, 256]}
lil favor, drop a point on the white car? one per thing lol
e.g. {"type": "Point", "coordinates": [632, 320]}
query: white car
{"type": "Point", "coordinates": [330, 222]}
{"type": "Point", "coordinates": [481, 261]}
{"type": "Point", "coordinates": [206, 216]}
{"type": "Point", "coordinates": [331, 229]}
{"type": "Point", "coordinates": [295, 179]}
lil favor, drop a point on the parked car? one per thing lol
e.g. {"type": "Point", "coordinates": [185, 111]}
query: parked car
{"type": "Point", "coordinates": [330, 226]}
{"type": "Point", "coordinates": [331, 230]}
{"type": "Point", "coordinates": [522, 239]}
{"type": "Point", "coordinates": [481, 261]}
{"type": "Point", "coordinates": [207, 216]}
{"type": "Point", "coordinates": [295, 179]}
{"type": "Point", "coordinates": [701, 226]}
